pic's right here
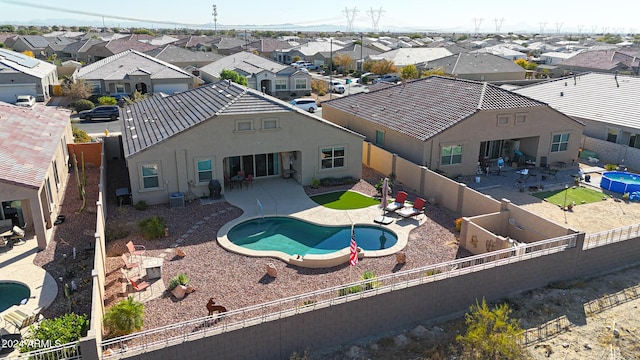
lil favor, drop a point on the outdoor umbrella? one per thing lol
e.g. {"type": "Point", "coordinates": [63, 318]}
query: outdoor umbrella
{"type": "Point", "coordinates": [385, 191]}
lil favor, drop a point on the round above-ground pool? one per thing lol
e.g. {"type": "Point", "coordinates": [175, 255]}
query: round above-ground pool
{"type": "Point", "coordinates": [12, 294]}
{"type": "Point", "coordinates": [297, 237]}
{"type": "Point", "coordinates": [620, 181]}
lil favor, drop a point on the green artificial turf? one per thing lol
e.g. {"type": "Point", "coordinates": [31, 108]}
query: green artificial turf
{"type": "Point", "coordinates": [344, 200]}
{"type": "Point", "coordinates": [577, 195]}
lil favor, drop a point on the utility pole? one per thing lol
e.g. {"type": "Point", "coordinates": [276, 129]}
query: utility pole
{"type": "Point", "coordinates": [215, 20]}
{"type": "Point", "coordinates": [330, 67]}
{"type": "Point", "coordinates": [361, 46]}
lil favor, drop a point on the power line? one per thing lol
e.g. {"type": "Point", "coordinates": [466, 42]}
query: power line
{"type": "Point", "coordinates": [350, 14]}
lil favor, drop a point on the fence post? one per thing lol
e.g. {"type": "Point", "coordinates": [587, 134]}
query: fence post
{"type": "Point", "coordinates": [89, 346]}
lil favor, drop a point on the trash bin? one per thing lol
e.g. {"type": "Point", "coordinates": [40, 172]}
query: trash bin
{"type": "Point", "coordinates": [214, 189]}
{"type": "Point", "coordinates": [477, 179]}
{"type": "Point", "coordinates": [123, 196]}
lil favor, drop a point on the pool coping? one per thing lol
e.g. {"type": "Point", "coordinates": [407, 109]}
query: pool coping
{"type": "Point", "coordinates": [300, 206]}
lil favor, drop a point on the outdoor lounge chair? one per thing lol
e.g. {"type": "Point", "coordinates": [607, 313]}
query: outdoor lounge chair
{"type": "Point", "coordinates": [135, 250]}
{"type": "Point", "coordinates": [139, 286]}
{"type": "Point", "coordinates": [416, 209]}
{"type": "Point", "coordinates": [398, 203]}
{"type": "Point", "coordinates": [129, 265]}
{"type": "Point", "coordinates": [19, 320]}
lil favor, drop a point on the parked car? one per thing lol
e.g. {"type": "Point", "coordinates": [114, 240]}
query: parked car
{"type": "Point", "coordinates": [336, 86]}
{"type": "Point", "coordinates": [25, 100]}
{"type": "Point", "coordinates": [100, 112]}
{"type": "Point", "coordinates": [310, 66]}
{"type": "Point", "coordinates": [305, 104]}
{"type": "Point", "coordinates": [387, 78]}
{"type": "Point", "coordinates": [298, 63]}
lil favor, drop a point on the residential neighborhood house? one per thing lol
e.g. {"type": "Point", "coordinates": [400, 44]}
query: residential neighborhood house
{"type": "Point", "coordinates": [217, 130]}
{"type": "Point", "coordinates": [33, 166]}
{"type": "Point", "coordinates": [23, 75]}
{"type": "Point", "coordinates": [131, 71]}
{"type": "Point", "coordinates": [479, 67]}
{"type": "Point", "coordinates": [449, 125]}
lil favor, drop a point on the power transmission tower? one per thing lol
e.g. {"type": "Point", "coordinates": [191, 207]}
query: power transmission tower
{"type": "Point", "coordinates": [558, 27]}
{"type": "Point", "coordinates": [542, 26]}
{"type": "Point", "coordinates": [580, 27]}
{"type": "Point", "coordinates": [477, 22]}
{"type": "Point", "coordinates": [498, 23]}
{"type": "Point", "coordinates": [375, 17]}
{"type": "Point", "coordinates": [594, 28]}
{"type": "Point", "coordinates": [215, 19]}
{"type": "Point", "coordinates": [350, 14]}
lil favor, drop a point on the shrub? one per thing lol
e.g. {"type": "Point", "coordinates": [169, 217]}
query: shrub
{"type": "Point", "coordinates": [152, 228]}
{"type": "Point", "coordinates": [83, 105]}
{"type": "Point", "coordinates": [490, 333]}
{"type": "Point", "coordinates": [611, 167]}
{"type": "Point", "coordinates": [378, 186]}
{"type": "Point", "coordinates": [458, 224]}
{"type": "Point", "coordinates": [331, 181]}
{"type": "Point", "coordinates": [141, 205]}
{"type": "Point", "coordinates": [80, 136]}
{"type": "Point", "coordinates": [107, 100]}
{"type": "Point", "coordinates": [315, 183]}
{"type": "Point", "coordinates": [370, 275]}
{"type": "Point", "coordinates": [61, 330]}
{"type": "Point", "coordinates": [180, 279]}
{"type": "Point", "coordinates": [350, 290]}
{"type": "Point", "coordinates": [123, 318]}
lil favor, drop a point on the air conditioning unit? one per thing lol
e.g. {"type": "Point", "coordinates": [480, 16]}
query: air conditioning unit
{"type": "Point", "coordinates": [176, 200]}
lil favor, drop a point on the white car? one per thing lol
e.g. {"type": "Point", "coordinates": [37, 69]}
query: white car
{"type": "Point", "coordinates": [387, 78]}
{"type": "Point", "coordinates": [336, 86]}
{"type": "Point", "coordinates": [25, 100]}
{"type": "Point", "coordinates": [305, 104]}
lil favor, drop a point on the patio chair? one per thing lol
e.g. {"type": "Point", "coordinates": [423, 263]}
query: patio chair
{"type": "Point", "coordinates": [19, 320]}
{"type": "Point", "coordinates": [3, 241]}
{"type": "Point", "coordinates": [128, 278]}
{"type": "Point", "coordinates": [135, 250]}
{"type": "Point", "coordinates": [18, 233]}
{"type": "Point", "coordinates": [249, 180]}
{"type": "Point", "coordinates": [139, 286]}
{"type": "Point", "coordinates": [129, 265]}
{"type": "Point", "coordinates": [416, 209]}
{"type": "Point", "coordinates": [398, 203]}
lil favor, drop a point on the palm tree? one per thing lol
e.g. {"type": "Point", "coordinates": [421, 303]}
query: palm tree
{"type": "Point", "coordinates": [125, 317]}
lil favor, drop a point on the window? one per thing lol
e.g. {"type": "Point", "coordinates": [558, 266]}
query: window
{"type": "Point", "coordinates": [379, 138]}
{"type": "Point", "coordinates": [301, 84]}
{"type": "Point", "coordinates": [281, 84]}
{"type": "Point", "coordinates": [150, 176]}
{"type": "Point", "coordinates": [560, 142]}
{"type": "Point", "coordinates": [612, 135]}
{"type": "Point", "coordinates": [49, 193]}
{"type": "Point", "coordinates": [634, 141]}
{"type": "Point", "coordinates": [503, 120]}
{"type": "Point", "coordinates": [451, 155]}
{"type": "Point", "coordinates": [120, 89]}
{"type": "Point", "coordinates": [244, 125]}
{"type": "Point", "coordinates": [269, 124]}
{"type": "Point", "coordinates": [55, 174]}
{"type": "Point", "coordinates": [94, 86]}
{"type": "Point", "coordinates": [521, 119]}
{"type": "Point", "coordinates": [332, 157]}
{"type": "Point", "coordinates": [205, 170]}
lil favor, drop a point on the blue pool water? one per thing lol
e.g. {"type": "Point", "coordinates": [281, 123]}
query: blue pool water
{"type": "Point", "coordinates": [620, 181]}
{"type": "Point", "coordinates": [11, 294]}
{"type": "Point", "coordinates": [293, 236]}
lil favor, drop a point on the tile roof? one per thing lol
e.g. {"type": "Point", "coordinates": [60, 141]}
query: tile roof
{"type": "Point", "coordinates": [601, 60]}
{"type": "Point", "coordinates": [410, 56]}
{"type": "Point", "coordinates": [35, 41]}
{"type": "Point", "coordinates": [247, 62]}
{"type": "Point", "coordinates": [592, 96]}
{"type": "Point", "coordinates": [128, 62]}
{"type": "Point", "coordinates": [442, 103]}
{"type": "Point", "coordinates": [477, 63]}
{"type": "Point", "coordinates": [157, 118]}
{"type": "Point", "coordinates": [172, 53]}
{"type": "Point", "coordinates": [28, 141]}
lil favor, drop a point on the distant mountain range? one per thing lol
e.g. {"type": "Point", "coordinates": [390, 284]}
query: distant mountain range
{"type": "Point", "coordinates": [274, 27]}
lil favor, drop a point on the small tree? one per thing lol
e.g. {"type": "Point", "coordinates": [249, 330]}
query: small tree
{"type": "Point", "coordinates": [125, 317]}
{"type": "Point", "coordinates": [490, 333]}
{"type": "Point", "coordinates": [233, 76]}
{"type": "Point", "coordinates": [383, 67]}
{"type": "Point", "coordinates": [319, 86]}
{"type": "Point", "coordinates": [107, 100]}
{"type": "Point", "coordinates": [409, 72]}
{"type": "Point", "coordinates": [296, 58]}
{"type": "Point", "coordinates": [344, 61]}
{"type": "Point", "coordinates": [29, 53]}
{"type": "Point", "coordinates": [76, 90]}
{"type": "Point", "coordinates": [80, 136]}
{"type": "Point", "coordinates": [152, 227]}
{"type": "Point", "coordinates": [430, 72]}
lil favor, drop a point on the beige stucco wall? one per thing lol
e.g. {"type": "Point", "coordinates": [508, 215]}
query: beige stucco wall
{"type": "Point", "coordinates": [217, 139]}
{"type": "Point", "coordinates": [535, 136]}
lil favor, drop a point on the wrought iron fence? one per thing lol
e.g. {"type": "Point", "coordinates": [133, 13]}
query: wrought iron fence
{"type": "Point", "coordinates": [69, 351]}
{"type": "Point", "coordinates": [236, 319]}
{"type": "Point", "coordinates": [611, 236]}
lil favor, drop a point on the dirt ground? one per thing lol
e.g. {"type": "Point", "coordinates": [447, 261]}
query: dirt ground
{"type": "Point", "coordinates": [585, 319]}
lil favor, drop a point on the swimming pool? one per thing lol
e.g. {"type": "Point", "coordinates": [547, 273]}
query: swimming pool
{"type": "Point", "coordinates": [620, 181]}
{"type": "Point", "coordinates": [296, 237]}
{"type": "Point", "coordinates": [11, 294]}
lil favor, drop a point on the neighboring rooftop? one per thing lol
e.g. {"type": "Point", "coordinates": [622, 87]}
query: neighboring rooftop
{"type": "Point", "coordinates": [28, 140]}
{"type": "Point", "coordinates": [600, 97]}
{"type": "Point", "coordinates": [11, 61]}
{"type": "Point", "coordinates": [412, 56]}
{"type": "Point", "coordinates": [128, 62]}
{"type": "Point", "coordinates": [442, 103]}
{"type": "Point", "coordinates": [247, 62]}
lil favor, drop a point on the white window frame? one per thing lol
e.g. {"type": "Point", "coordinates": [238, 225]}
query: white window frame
{"type": "Point", "coordinates": [560, 142]}
{"type": "Point", "coordinates": [452, 155]}
{"type": "Point", "coordinates": [281, 84]}
{"type": "Point", "coordinates": [157, 175]}
{"type": "Point", "coordinates": [273, 121]}
{"type": "Point", "coordinates": [521, 119]}
{"type": "Point", "coordinates": [244, 125]}
{"type": "Point", "coordinates": [198, 171]}
{"type": "Point", "coordinates": [503, 120]}
{"type": "Point", "coordinates": [328, 161]}
{"type": "Point", "coordinates": [120, 89]}
{"type": "Point", "coordinates": [301, 84]}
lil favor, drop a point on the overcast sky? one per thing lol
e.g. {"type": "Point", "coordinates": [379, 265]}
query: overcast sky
{"type": "Point", "coordinates": [584, 16]}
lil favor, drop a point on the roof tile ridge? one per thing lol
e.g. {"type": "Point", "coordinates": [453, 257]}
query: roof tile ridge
{"type": "Point", "coordinates": [482, 93]}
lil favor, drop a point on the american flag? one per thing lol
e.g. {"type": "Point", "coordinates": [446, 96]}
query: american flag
{"type": "Point", "coordinates": [353, 256]}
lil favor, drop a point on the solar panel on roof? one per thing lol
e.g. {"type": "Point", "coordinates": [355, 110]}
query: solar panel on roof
{"type": "Point", "coordinates": [19, 58]}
